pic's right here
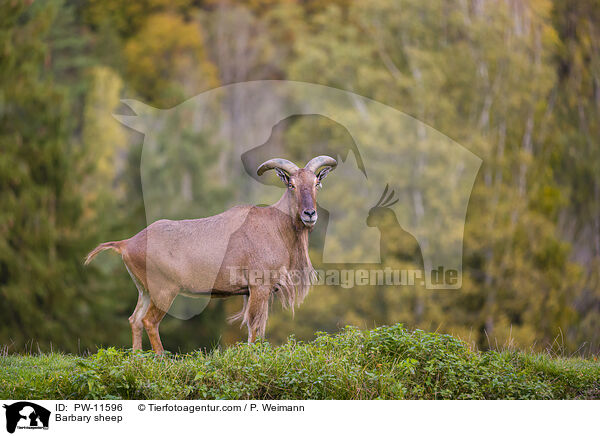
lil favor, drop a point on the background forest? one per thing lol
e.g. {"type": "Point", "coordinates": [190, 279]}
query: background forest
{"type": "Point", "coordinates": [516, 82]}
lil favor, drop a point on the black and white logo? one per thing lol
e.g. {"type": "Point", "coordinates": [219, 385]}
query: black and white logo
{"type": "Point", "coordinates": [26, 415]}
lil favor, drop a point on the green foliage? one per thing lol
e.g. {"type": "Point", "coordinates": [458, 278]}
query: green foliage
{"type": "Point", "coordinates": [384, 363]}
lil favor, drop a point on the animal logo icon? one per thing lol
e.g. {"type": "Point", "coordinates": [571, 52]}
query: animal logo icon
{"type": "Point", "coordinates": [394, 239]}
{"type": "Point", "coordinates": [26, 415]}
{"type": "Point", "coordinates": [434, 173]}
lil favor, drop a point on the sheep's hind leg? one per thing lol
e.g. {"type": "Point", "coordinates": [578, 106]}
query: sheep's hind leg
{"type": "Point", "coordinates": [257, 312]}
{"type": "Point", "coordinates": [135, 320]}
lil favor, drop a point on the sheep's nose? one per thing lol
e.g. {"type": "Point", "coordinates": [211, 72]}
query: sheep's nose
{"type": "Point", "coordinates": [310, 213]}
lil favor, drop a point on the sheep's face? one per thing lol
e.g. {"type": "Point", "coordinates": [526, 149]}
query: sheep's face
{"type": "Point", "coordinates": [303, 186]}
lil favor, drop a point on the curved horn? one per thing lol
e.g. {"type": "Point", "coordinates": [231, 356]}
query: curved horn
{"type": "Point", "coordinates": [284, 164]}
{"type": "Point", "coordinates": [320, 161]}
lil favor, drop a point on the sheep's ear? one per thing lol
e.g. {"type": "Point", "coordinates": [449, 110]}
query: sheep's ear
{"type": "Point", "coordinates": [285, 178]}
{"type": "Point", "coordinates": [323, 173]}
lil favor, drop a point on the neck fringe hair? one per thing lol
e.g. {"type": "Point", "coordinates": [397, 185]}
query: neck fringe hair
{"type": "Point", "coordinates": [293, 285]}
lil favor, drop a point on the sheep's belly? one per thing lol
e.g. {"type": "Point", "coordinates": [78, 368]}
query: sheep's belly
{"type": "Point", "coordinates": [215, 293]}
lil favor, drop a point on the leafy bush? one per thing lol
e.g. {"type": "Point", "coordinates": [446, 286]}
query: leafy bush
{"type": "Point", "coordinates": [387, 363]}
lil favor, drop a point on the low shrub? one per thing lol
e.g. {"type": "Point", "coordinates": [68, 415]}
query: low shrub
{"type": "Point", "coordinates": [384, 363]}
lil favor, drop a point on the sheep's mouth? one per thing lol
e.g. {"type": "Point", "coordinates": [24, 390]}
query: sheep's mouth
{"type": "Point", "coordinates": [309, 223]}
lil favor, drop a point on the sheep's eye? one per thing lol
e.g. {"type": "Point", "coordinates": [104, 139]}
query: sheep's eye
{"type": "Point", "coordinates": [319, 185]}
{"type": "Point", "coordinates": [291, 186]}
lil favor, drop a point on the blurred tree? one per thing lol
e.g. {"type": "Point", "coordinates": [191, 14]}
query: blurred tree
{"type": "Point", "coordinates": [127, 18]}
{"type": "Point", "coordinates": [46, 297]}
{"type": "Point", "coordinates": [575, 160]}
{"type": "Point", "coordinates": [515, 82]}
{"type": "Point", "coordinates": [167, 62]}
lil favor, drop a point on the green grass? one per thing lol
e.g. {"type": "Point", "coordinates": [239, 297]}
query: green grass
{"type": "Point", "coordinates": [387, 362]}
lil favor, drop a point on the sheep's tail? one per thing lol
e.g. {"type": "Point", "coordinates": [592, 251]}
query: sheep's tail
{"type": "Point", "coordinates": [114, 245]}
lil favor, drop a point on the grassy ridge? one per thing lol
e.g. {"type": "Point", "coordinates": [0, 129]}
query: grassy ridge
{"type": "Point", "coordinates": [387, 362]}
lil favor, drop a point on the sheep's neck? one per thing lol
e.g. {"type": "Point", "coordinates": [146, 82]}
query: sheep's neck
{"type": "Point", "coordinates": [294, 229]}
{"type": "Point", "coordinates": [287, 206]}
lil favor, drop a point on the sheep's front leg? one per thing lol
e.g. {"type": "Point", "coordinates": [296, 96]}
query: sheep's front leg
{"type": "Point", "coordinates": [151, 321]}
{"type": "Point", "coordinates": [257, 311]}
